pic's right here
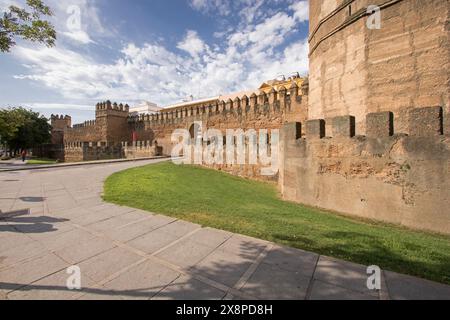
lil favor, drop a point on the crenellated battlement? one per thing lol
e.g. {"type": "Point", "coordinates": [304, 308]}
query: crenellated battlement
{"type": "Point", "coordinates": [60, 122]}
{"type": "Point", "coordinates": [423, 122]}
{"type": "Point", "coordinates": [108, 105]}
{"type": "Point", "coordinates": [56, 117]}
{"type": "Point", "coordinates": [86, 124]}
{"type": "Point", "coordinates": [387, 174]}
{"type": "Point", "coordinates": [275, 102]}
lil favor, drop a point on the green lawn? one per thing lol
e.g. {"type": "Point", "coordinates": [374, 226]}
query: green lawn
{"type": "Point", "coordinates": [41, 161]}
{"type": "Point", "coordinates": [215, 199]}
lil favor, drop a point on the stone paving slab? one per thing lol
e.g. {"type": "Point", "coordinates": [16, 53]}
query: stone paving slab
{"type": "Point", "coordinates": [143, 281]}
{"type": "Point", "coordinates": [188, 288]}
{"type": "Point", "coordinates": [106, 264]}
{"type": "Point", "coordinates": [53, 287]}
{"type": "Point", "coordinates": [153, 241]}
{"type": "Point", "coordinates": [84, 250]}
{"type": "Point", "coordinates": [125, 253]}
{"type": "Point", "coordinates": [30, 271]}
{"type": "Point", "coordinates": [343, 274]}
{"type": "Point", "coordinates": [186, 254]}
{"type": "Point", "coordinates": [403, 287]}
{"type": "Point", "coordinates": [270, 282]}
{"type": "Point", "coordinates": [222, 266]}
{"type": "Point", "coordinates": [325, 291]}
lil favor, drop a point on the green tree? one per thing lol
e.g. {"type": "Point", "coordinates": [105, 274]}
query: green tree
{"type": "Point", "coordinates": [29, 25]}
{"type": "Point", "coordinates": [23, 129]}
{"type": "Point", "coordinates": [10, 122]}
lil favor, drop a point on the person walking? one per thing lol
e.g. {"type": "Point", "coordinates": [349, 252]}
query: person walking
{"type": "Point", "coordinates": [24, 155]}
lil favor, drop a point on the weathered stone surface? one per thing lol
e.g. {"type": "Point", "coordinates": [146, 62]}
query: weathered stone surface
{"type": "Point", "coordinates": [343, 126]}
{"type": "Point", "coordinates": [426, 121]}
{"type": "Point", "coordinates": [292, 131]}
{"type": "Point", "coordinates": [355, 70]}
{"type": "Point", "coordinates": [380, 124]}
{"type": "Point", "coordinates": [380, 178]}
{"type": "Point", "coordinates": [315, 129]}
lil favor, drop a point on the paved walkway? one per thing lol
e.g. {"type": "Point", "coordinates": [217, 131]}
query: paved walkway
{"type": "Point", "coordinates": [12, 164]}
{"type": "Point", "coordinates": [125, 253]}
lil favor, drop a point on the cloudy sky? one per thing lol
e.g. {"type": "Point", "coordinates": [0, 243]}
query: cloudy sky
{"type": "Point", "coordinates": [153, 50]}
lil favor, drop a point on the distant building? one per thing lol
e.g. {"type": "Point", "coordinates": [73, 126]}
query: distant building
{"type": "Point", "coordinates": [145, 107]}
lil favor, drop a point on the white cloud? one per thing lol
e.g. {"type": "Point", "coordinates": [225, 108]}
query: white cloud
{"type": "Point", "coordinates": [192, 44]}
{"type": "Point", "coordinates": [79, 36]}
{"type": "Point", "coordinates": [63, 12]}
{"type": "Point", "coordinates": [58, 106]}
{"type": "Point", "coordinates": [301, 10]}
{"type": "Point", "coordinates": [154, 73]}
{"type": "Point", "coordinates": [218, 6]}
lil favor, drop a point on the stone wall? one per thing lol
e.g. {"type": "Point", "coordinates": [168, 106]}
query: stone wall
{"type": "Point", "coordinates": [110, 126]}
{"type": "Point", "coordinates": [266, 111]}
{"type": "Point", "coordinates": [356, 70]}
{"type": "Point", "coordinates": [140, 149]}
{"type": "Point", "coordinates": [387, 176]}
{"type": "Point", "coordinates": [77, 152]}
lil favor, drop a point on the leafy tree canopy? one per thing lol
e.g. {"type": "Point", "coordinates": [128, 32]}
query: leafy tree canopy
{"type": "Point", "coordinates": [21, 128]}
{"type": "Point", "coordinates": [29, 25]}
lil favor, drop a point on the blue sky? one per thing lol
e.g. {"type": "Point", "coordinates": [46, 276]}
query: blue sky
{"type": "Point", "coordinates": [153, 50]}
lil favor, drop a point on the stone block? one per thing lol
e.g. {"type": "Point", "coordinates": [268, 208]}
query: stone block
{"type": "Point", "coordinates": [426, 121]}
{"type": "Point", "coordinates": [380, 124]}
{"type": "Point", "coordinates": [292, 131]}
{"type": "Point", "coordinates": [315, 129]}
{"type": "Point", "coordinates": [344, 126]}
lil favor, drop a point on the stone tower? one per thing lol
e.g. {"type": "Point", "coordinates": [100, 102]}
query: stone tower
{"type": "Point", "coordinates": [356, 70]}
{"type": "Point", "coordinates": [59, 123]}
{"type": "Point", "coordinates": [112, 120]}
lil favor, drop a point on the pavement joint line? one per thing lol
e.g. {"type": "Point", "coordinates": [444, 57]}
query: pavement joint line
{"type": "Point", "coordinates": [17, 194]}
{"type": "Point", "coordinates": [176, 242]}
{"type": "Point", "coordinates": [228, 296]}
{"type": "Point", "coordinates": [26, 186]}
{"type": "Point", "coordinates": [251, 270]}
{"type": "Point", "coordinates": [384, 291]}
{"type": "Point", "coordinates": [115, 275]}
{"type": "Point", "coordinates": [172, 266]}
{"type": "Point", "coordinates": [371, 293]}
{"type": "Point", "coordinates": [312, 279]}
{"type": "Point", "coordinates": [153, 257]}
{"type": "Point", "coordinates": [216, 248]}
{"type": "Point", "coordinates": [164, 288]}
{"type": "Point", "coordinates": [21, 286]}
{"type": "Point", "coordinates": [125, 225]}
{"type": "Point", "coordinates": [187, 272]}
